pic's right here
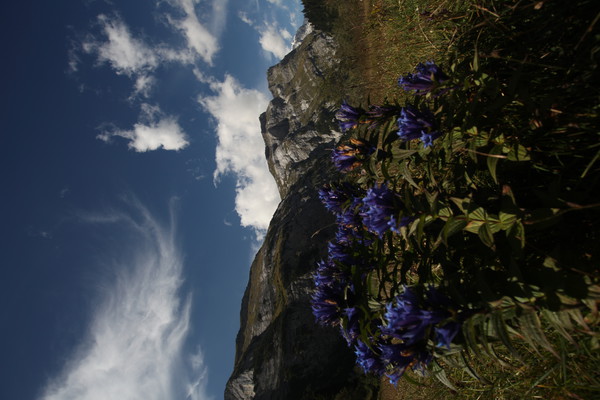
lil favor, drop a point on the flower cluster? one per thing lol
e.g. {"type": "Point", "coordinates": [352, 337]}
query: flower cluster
{"type": "Point", "coordinates": [410, 322]}
{"type": "Point", "coordinates": [390, 332]}
{"type": "Point", "coordinates": [413, 123]}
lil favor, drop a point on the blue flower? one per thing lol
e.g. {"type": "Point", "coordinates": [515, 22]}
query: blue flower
{"type": "Point", "coordinates": [333, 199]}
{"type": "Point", "coordinates": [414, 320]}
{"type": "Point", "coordinates": [332, 289]}
{"type": "Point", "coordinates": [326, 273]}
{"type": "Point", "coordinates": [428, 138]}
{"type": "Point", "coordinates": [407, 321]}
{"type": "Point", "coordinates": [395, 225]}
{"type": "Point", "coordinates": [346, 157]}
{"type": "Point", "coordinates": [367, 359]}
{"type": "Point", "coordinates": [380, 208]}
{"type": "Point", "coordinates": [327, 303]}
{"type": "Point", "coordinates": [339, 253]}
{"type": "Point", "coordinates": [428, 76]}
{"type": "Point", "coordinates": [348, 116]}
{"type": "Point", "coordinates": [446, 333]}
{"type": "Point", "coordinates": [351, 216]}
{"type": "Point", "coordinates": [415, 124]}
{"type": "Point", "coordinates": [398, 357]}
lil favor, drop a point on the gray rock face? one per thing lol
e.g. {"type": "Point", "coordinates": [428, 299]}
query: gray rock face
{"type": "Point", "coordinates": [281, 353]}
{"type": "Point", "coordinates": [297, 123]}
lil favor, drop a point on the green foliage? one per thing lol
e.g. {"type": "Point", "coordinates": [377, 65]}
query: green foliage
{"type": "Point", "coordinates": [505, 202]}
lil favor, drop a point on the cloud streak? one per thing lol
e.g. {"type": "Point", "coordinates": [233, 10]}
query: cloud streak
{"type": "Point", "coordinates": [241, 150]}
{"type": "Point", "coordinates": [134, 345]}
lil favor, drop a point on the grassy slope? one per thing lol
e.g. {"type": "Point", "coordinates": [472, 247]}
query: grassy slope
{"type": "Point", "coordinates": [383, 39]}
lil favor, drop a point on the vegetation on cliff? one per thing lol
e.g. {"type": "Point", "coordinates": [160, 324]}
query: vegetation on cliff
{"type": "Point", "coordinates": [468, 219]}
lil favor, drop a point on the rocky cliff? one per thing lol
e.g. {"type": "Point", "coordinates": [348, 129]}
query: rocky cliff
{"type": "Point", "coordinates": [281, 353]}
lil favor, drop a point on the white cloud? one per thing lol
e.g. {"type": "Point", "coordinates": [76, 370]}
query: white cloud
{"type": "Point", "coordinates": [134, 347]}
{"type": "Point", "coordinates": [243, 16]}
{"type": "Point", "coordinates": [126, 54]}
{"type": "Point", "coordinates": [155, 130]}
{"type": "Point", "coordinates": [275, 41]}
{"type": "Point", "coordinates": [198, 37]}
{"type": "Point", "coordinates": [241, 150]}
{"type": "Point", "coordinates": [143, 85]}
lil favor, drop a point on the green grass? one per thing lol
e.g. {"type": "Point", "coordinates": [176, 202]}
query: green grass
{"type": "Point", "coordinates": [382, 39]}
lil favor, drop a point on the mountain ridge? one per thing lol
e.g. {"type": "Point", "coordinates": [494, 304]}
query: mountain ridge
{"type": "Point", "coordinates": [281, 352]}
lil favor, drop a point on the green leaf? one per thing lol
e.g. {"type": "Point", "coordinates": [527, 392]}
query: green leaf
{"type": "Point", "coordinates": [507, 220]}
{"type": "Point", "coordinates": [441, 376]}
{"type": "Point", "coordinates": [486, 236]}
{"type": "Point", "coordinates": [451, 227]}
{"type": "Point", "coordinates": [407, 175]}
{"type": "Point", "coordinates": [445, 212]}
{"type": "Point", "coordinates": [470, 335]}
{"type": "Point", "coordinates": [531, 328]}
{"type": "Point", "coordinates": [518, 153]}
{"type": "Point", "coordinates": [561, 322]}
{"type": "Point", "coordinates": [492, 162]}
{"type": "Point", "coordinates": [516, 235]}
{"type": "Point", "coordinates": [476, 219]}
{"type": "Point", "coordinates": [462, 204]}
{"type": "Point", "coordinates": [500, 330]}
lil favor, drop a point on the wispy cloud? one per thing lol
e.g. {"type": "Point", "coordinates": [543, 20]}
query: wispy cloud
{"type": "Point", "coordinates": [155, 130]}
{"type": "Point", "coordinates": [125, 53]}
{"type": "Point", "coordinates": [134, 347]}
{"type": "Point", "coordinates": [137, 56]}
{"type": "Point", "coordinates": [199, 38]}
{"type": "Point", "coordinates": [273, 39]}
{"type": "Point", "coordinates": [241, 150]}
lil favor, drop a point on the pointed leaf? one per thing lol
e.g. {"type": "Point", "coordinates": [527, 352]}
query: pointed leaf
{"type": "Point", "coordinates": [492, 162]}
{"type": "Point", "coordinates": [486, 236]}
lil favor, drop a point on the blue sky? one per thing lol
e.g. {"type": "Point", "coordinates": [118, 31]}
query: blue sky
{"type": "Point", "coordinates": [134, 191]}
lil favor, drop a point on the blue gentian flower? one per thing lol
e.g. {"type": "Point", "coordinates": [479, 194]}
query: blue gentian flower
{"type": "Point", "coordinates": [446, 333]}
{"type": "Point", "coordinates": [351, 216]}
{"type": "Point", "coordinates": [416, 124]}
{"type": "Point", "coordinates": [414, 320]}
{"type": "Point", "coordinates": [346, 157]}
{"type": "Point", "coordinates": [340, 253]}
{"type": "Point", "coordinates": [333, 199]}
{"type": "Point", "coordinates": [428, 138]}
{"type": "Point", "coordinates": [348, 116]}
{"type": "Point", "coordinates": [395, 225]}
{"type": "Point", "coordinates": [367, 359]}
{"type": "Point", "coordinates": [326, 273]}
{"type": "Point", "coordinates": [327, 303]}
{"type": "Point", "coordinates": [380, 207]}
{"type": "Point", "coordinates": [428, 76]}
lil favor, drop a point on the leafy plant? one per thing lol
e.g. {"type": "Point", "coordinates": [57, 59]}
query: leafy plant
{"type": "Point", "coordinates": [468, 219]}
